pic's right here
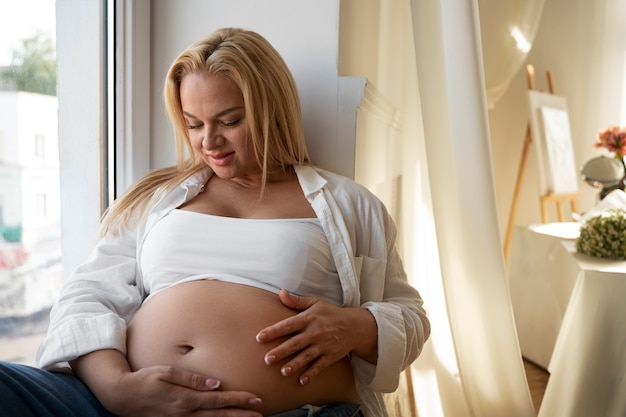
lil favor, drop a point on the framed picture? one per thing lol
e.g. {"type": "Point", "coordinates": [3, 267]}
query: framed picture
{"type": "Point", "coordinates": [550, 129]}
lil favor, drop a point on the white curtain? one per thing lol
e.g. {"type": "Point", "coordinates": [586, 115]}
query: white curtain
{"type": "Point", "coordinates": [480, 371]}
{"type": "Point", "coordinates": [508, 28]}
{"type": "Point", "coordinates": [607, 67]}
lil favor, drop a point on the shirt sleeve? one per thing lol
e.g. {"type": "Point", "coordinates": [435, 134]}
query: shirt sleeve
{"type": "Point", "coordinates": [95, 303]}
{"type": "Point", "coordinates": [403, 324]}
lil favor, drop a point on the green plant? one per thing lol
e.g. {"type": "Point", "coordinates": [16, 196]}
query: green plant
{"type": "Point", "coordinates": [33, 67]}
{"type": "Point", "coordinates": [604, 235]}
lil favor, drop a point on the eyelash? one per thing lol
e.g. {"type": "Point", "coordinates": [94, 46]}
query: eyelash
{"type": "Point", "coordinates": [228, 124]}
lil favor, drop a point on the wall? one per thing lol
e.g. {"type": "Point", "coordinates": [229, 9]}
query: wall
{"type": "Point", "coordinates": [574, 43]}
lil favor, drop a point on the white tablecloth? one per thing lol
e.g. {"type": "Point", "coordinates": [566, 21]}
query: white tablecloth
{"type": "Point", "coordinates": [570, 313]}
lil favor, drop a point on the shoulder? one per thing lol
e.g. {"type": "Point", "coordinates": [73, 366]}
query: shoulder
{"type": "Point", "coordinates": [174, 190]}
{"type": "Point", "coordinates": [347, 192]}
{"type": "Point", "coordinates": [331, 179]}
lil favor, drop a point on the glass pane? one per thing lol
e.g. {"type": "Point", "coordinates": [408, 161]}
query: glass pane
{"type": "Point", "coordinates": [30, 232]}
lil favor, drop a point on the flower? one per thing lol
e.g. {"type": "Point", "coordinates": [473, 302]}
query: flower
{"type": "Point", "coordinates": [604, 235]}
{"type": "Point", "coordinates": [614, 140]}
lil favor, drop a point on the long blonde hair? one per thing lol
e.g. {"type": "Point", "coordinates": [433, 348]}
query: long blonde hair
{"type": "Point", "coordinates": [272, 109]}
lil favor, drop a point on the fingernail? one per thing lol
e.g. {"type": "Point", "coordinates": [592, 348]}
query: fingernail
{"type": "Point", "coordinates": [304, 380]}
{"type": "Point", "coordinates": [212, 383]}
{"type": "Point", "coordinates": [286, 370]}
{"type": "Point", "coordinates": [269, 359]}
{"type": "Point", "coordinates": [254, 401]}
{"type": "Point", "coordinates": [261, 337]}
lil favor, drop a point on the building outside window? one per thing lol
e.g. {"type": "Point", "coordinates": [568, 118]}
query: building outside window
{"type": "Point", "coordinates": [30, 218]}
{"type": "Point", "coordinates": [40, 147]}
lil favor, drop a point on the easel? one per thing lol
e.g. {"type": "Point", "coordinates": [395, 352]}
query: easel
{"type": "Point", "coordinates": [558, 199]}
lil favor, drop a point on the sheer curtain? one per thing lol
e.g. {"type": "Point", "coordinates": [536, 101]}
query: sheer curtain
{"type": "Point", "coordinates": [508, 28]}
{"type": "Point", "coordinates": [479, 370]}
{"type": "Point", "coordinates": [607, 67]}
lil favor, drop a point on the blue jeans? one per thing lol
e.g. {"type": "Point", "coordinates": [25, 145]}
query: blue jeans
{"type": "Point", "coordinates": [27, 391]}
{"type": "Point", "coordinates": [336, 410]}
{"type": "Point", "coordinates": [32, 392]}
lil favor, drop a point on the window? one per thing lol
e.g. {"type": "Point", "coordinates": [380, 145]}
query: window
{"type": "Point", "coordinates": [40, 174]}
{"type": "Point", "coordinates": [41, 204]}
{"type": "Point", "coordinates": [29, 231]}
{"type": "Point", "coordinates": [40, 150]}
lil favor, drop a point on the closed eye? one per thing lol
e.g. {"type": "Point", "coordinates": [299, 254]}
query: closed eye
{"type": "Point", "coordinates": [231, 124]}
{"type": "Point", "coordinates": [191, 127]}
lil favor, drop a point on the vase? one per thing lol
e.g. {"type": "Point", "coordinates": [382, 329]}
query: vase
{"type": "Point", "coordinates": [621, 185]}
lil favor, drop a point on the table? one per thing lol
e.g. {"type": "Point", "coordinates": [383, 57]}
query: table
{"type": "Point", "coordinates": [570, 314]}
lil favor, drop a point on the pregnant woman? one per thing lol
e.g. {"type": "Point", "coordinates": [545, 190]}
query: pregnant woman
{"type": "Point", "coordinates": [243, 281]}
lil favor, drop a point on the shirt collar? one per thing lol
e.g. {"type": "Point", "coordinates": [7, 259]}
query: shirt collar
{"type": "Point", "coordinates": [194, 185]}
{"type": "Point", "coordinates": [310, 180]}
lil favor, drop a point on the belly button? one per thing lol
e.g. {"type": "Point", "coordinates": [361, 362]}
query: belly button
{"type": "Point", "coordinates": [185, 349]}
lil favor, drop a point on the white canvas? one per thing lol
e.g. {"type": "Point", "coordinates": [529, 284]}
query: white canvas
{"type": "Point", "coordinates": [560, 155]}
{"type": "Point", "coordinates": [552, 138]}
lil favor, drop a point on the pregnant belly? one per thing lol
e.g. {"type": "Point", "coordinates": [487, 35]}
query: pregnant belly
{"type": "Point", "coordinates": [210, 327]}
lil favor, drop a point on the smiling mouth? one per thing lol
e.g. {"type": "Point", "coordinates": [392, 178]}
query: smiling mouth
{"type": "Point", "coordinates": [222, 158]}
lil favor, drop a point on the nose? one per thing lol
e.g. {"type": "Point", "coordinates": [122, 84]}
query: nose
{"type": "Point", "coordinates": [212, 139]}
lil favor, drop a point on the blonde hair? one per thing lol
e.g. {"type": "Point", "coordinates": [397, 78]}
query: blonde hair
{"type": "Point", "coordinates": [272, 107]}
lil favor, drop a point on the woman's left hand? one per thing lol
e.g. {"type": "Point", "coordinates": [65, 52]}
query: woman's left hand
{"type": "Point", "coordinates": [321, 334]}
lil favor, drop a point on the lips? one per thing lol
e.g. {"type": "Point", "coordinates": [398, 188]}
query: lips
{"type": "Point", "coordinates": [222, 159]}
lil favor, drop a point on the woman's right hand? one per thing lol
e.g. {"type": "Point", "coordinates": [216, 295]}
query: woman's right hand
{"type": "Point", "coordinates": [168, 391]}
{"type": "Point", "coordinates": [158, 390]}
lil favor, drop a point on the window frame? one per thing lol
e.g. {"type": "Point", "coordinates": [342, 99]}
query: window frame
{"type": "Point", "coordinates": [132, 92]}
{"type": "Point", "coordinates": [106, 148]}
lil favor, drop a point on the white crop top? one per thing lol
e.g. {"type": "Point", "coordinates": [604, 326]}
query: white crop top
{"type": "Point", "coordinates": [270, 254]}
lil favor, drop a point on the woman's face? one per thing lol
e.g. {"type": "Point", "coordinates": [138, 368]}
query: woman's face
{"type": "Point", "coordinates": [215, 115]}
